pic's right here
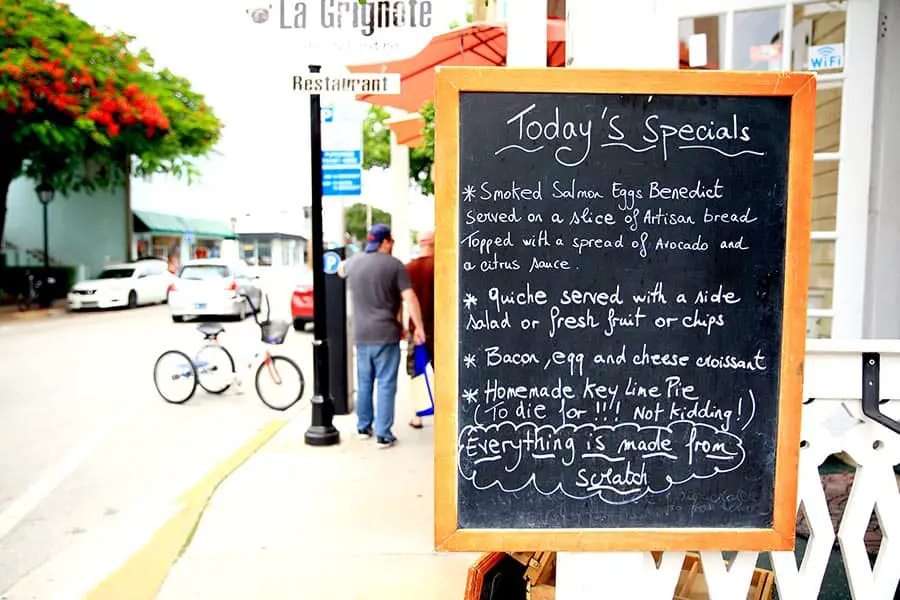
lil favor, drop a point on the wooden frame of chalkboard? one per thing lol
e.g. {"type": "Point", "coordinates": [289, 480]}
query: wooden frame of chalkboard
{"type": "Point", "coordinates": [506, 520]}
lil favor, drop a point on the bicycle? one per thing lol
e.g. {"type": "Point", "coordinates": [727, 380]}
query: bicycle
{"type": "Point", "coordinates": [33, 296]}
{"type": "Point", "coordinates": [213, 368]}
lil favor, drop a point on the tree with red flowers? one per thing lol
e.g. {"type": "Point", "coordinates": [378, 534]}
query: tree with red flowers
{"type": "Point", "coordinates": [79, 111]}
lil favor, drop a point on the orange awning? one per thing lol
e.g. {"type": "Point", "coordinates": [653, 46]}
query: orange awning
{"type": "Point", "coordinates": [408, 130]}
{"type": "Point", "coordinates": [476, 45]}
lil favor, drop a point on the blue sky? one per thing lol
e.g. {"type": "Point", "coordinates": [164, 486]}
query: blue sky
{"type": "Point", "coordinates": [242, 69]}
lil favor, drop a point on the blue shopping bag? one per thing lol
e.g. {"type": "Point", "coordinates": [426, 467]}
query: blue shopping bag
{"type": "Point", "coordinates": [423, 395]}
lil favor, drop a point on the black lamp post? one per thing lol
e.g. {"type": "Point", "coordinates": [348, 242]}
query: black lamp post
{"type": "Point", "coordinates": [322, 431]}
{"type": "Point", "coordinates": [45, 193]}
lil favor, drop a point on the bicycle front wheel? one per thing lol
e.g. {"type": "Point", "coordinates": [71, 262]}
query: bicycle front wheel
{"type": "Point", "coordinates": [279, 382]}
{"type": "Point", "coordinates": [215, 368]}
{"type": "Point", "coordinates": [175, 377]}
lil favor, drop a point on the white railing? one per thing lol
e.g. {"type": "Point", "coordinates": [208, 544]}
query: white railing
{"type": "Point", "coordinates": [834, 422]}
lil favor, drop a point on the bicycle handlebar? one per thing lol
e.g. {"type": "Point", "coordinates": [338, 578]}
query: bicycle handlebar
{"type": "Point", "coordinates": [256, 311]}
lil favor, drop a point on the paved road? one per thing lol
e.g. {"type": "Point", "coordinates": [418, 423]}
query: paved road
{"type": "Point", "coordinates": [84, 437]}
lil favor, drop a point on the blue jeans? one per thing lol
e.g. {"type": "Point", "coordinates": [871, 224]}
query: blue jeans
{"type": "Point", "coordinates": [376, 362]}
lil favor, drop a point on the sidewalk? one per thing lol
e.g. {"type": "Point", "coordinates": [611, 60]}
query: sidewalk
{"type": "Point", "coordinates": [11, 312]}
{"type": "Point", "coordinates": [344, 522]}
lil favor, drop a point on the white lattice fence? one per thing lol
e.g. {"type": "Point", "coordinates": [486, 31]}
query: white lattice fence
{"type": "Point", "coordinates": [833, 423]}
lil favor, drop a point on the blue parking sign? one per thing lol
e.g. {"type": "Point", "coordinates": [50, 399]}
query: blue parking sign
{"type": "Point", "coordinates": [330, 261]}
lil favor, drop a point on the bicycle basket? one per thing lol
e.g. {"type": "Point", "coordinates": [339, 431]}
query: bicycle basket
{"type": "Point", "coordinates": [274, 332]}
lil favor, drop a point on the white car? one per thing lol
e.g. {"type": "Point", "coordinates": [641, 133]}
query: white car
{"type": "Point", "coordinates": [126, 285]}
{"type": "Point", "coordinates": [213, 287]}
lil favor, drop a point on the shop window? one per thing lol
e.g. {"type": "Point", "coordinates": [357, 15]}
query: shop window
{"type": "Point", "coordinates": [205, 249]}
{"type": "Point", "coordinates": [825, 26]}
{"type": "Point", "coordinates": [248, 253]}
{"type": "Point", "coordinates": [264, 253]}
{"type": "Point", "coordinates": [817, 39]}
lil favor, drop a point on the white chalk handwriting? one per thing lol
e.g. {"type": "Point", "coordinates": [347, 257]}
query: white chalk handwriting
{"type": "Point", "coordinates": [619, 464]}
{"type": "Point", "coordinates": [530, 130]}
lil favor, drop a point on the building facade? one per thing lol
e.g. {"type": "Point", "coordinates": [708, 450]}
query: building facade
{"type": "Point", "coordinates": [85, 231]}
{"type": "Point", "coordinates": [179, 238]}
{"type": "Point", "coordinates": [854, 47]}
{"type": "Point", "coordinates": [857, 62]}
{"type": "Point", "coordinates": [273, 239]}
{"type": "Point", "coordinates": [272, 249]}
{"type": "Point", "coordinates": [90, 231]}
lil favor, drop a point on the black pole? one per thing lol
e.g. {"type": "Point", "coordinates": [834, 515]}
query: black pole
{"type": "Point", "coordinates": [46, 242]}
{"type": "Point", "coordinates": [322, 431]}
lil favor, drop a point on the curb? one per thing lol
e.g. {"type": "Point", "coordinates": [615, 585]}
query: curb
{"type": "Point", "coordinates": [142, 574]}
{"type": "Point", "coordinates": [17, 315]}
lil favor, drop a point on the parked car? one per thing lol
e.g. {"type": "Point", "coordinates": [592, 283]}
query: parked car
{"type": "Point", "coordinates": [208, 287]}
{"type": "Point", "coordinates": [125, 285]}
{"type": "Point", "coordinates": [302, 306]}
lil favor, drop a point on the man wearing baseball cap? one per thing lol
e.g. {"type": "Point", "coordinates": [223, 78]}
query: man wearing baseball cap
{"type": "Point", "coordinates": [379, 284]}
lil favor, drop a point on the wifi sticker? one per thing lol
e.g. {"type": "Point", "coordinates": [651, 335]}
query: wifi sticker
{"type": "Point", "coordinates": [825, 57]}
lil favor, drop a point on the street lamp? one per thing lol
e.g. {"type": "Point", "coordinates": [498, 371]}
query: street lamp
{"type": "Point", "coordinates": [322, 431]}
{"type": "Point", "coordinates": [45, 194]}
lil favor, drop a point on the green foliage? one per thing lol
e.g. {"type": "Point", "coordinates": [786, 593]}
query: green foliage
{"type": "Point", "coordinates": [421, 158]}
{"type": "Point", "coordinates": [355, 220]}
{"type": "Point", "coordinates": [377, 146]}
{"type": "Point", "coordinates": [376, 139]}
{"type": "Point", "coordinates": [456, 24]}
{"type": "Point", "coordinates": [77, 106]}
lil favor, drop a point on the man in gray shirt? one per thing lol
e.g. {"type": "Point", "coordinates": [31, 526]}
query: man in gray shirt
{"type": "Point", "coordinates": [379, 284]}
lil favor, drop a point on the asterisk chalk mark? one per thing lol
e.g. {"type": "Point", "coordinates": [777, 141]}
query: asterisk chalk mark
{"type": "Point", "coordinates": [470, 396]}
{"type": "Point", "coordinates": [469, 193]}
{"type": "Point", "coordinates": [470, 301]}
{"type": "Point", "coordinates": [469, 361]}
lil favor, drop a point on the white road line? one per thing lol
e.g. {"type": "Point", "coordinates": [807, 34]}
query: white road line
{"type": "Point", "coordinates": [54, 476]}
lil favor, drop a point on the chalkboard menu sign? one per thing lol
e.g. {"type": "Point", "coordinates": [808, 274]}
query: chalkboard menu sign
{"type": "Point", "coordinates": [622, 264]}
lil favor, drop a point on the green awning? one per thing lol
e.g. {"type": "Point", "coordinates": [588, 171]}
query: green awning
{"type": "Point", "coordinates": [207, 228]}
{"type": "Point", "coordinates": [153, 222]}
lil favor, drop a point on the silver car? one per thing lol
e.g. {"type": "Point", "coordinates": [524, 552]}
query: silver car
{"type": "Point", "coordinates": [212, 287]}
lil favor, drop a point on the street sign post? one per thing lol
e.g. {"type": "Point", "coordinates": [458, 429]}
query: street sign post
{"type": "Point", "coordinates": [321, 431]}
{"type": "Point", "coordinates": [342, 141]}
{"type": "Point", "coordinates": [341, 172]}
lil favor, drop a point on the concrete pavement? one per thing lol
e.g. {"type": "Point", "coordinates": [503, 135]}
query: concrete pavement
{"type": "Point", "coordinates": [90, 456]}
{"type": "Point", "coordinates": [102, 484]}
{"type": "Point", "coordinates": [344, 522]}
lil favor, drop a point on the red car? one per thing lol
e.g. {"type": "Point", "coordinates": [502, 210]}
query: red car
{"type": "Point", "coordinates": [302, 306]}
